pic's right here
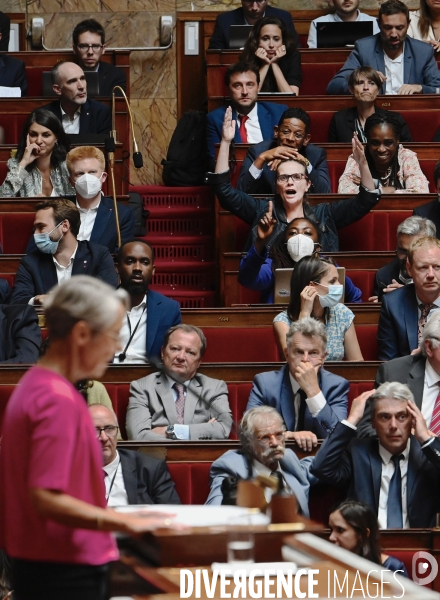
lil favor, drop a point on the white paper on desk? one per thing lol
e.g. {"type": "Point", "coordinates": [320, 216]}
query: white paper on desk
{"type": "Point", "coordinates": [10, 92]}
{"type": "Point", "coordinates": [265, 568]}
{"type": "Point", "coordinates": [201, 515]}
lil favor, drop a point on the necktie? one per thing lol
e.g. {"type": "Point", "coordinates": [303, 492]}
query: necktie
{"type": "Point", "coordinates": [180, 402]}
{"type": "Point", "coordinates": [394, 507]}
{"type": "Point", "coordinates": [302, 410]}
{"type": "Point", "coordinates": [243, 132]}
{"type": "Point", "coordinates": [424, 312]}
{"type": "Point", "coordinates": [435, 419]}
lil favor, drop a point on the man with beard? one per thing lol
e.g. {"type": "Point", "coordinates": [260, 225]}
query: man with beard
{"type": "Point", "coordinates": [151, 314]}
{"type": "Point", "coordinates": [405, 65]}
{"type": "Point", "coordinates": [263, 452]}
{"type": "Point", "coordinates": [394, 275]}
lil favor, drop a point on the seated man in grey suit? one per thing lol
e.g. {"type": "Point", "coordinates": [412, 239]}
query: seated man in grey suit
{"type": "Point", "coordinates": [420, 372]}
{"type": "Point", "coordinates": [398, 475]}
{"type": "Point", "coordinates": [310, 399]}
{"type": "Point", "coordinates": [405, 65]}
{"type": "Point", "coordinates": [130, 477]}
{"type": "Point", "coordinates": [178, 402]}
{"type": "Point", "coordinates": [263, 452]}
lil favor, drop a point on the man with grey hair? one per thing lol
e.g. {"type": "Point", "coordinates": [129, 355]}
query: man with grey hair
{"type": "Point", "coordinates": [420, 372]}
{"type": "Point", "coordinates": [398, 474]}
{"type": "Point", "coordinates": [178, 403]}
{"type": "Point", "coordinates": [263, 452]}
{"type": "Point", "coordinates": [394, 275]}
{"type": "Point", "coordinates": [310, 399]}
{"type": "Point", "coordinates": [76, 112]}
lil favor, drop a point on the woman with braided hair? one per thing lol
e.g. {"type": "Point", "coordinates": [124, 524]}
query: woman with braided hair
{"type": "Point", "coordinates": [387, 164]}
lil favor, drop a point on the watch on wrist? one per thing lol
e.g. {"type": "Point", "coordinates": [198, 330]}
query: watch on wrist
{"type": "Point", "coordinates": [170, 432]}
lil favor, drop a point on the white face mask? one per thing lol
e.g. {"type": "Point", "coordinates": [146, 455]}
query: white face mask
{"type": "Point", "coordinates": [88, 186]}
{"type": "Point", "coordinates": [299, 246]}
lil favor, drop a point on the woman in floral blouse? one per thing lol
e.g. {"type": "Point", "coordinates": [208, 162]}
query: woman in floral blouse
{"type": "Point", "coordinates": [393, 168]}
{"type": "Point", "coordinates": [39, 167]}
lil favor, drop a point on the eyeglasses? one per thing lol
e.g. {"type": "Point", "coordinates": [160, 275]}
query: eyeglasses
{"type": "Point", "coordinates": [292, 176]}
{"type": "Point", "coordinates": [296, 135]}
{"type": "Point", "coordinates": [85, 47]}
{"type": "Point", "coordinates": [110, 431]}
{"type": "Point", "coordinates": [401, 253]}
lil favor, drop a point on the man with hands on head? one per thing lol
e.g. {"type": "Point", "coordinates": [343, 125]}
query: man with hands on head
{"type": "Point", "coordinates": [310, 399]}
{"type": "Point", "coordinates": [398, 474]}
{"type": "Point", "coordinates": [405, 65]}
{"type": "Point", "coordinates": [290, 140]}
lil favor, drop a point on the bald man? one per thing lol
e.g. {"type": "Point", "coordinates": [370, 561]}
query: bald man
{"type": "Point", "coordinates": [130, 477]}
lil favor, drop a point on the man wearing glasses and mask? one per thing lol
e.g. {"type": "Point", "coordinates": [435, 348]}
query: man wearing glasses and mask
{"type": "Point", "coordinates": [130, 477]}
{"type": "Point", "coordinates": [247, 14]}
{"type": "Point", "coordinates": [291, 138]}
{"type": "Point", "coordinates": [88, 46]}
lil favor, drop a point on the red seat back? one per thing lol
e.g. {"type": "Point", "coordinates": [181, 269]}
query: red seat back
{"type": "Point", "coordinates": [364, 280]}
{"type": "Point", "coordinates": [240, 344]}
{"type": "Point", "coordinates": [375, 231]}
{"type": "Point", "coordinates": [367, 337]}
{"type": "Point", "coordinates": [15, 231]}
{"type": "Point", "coordinates": [191, 480]}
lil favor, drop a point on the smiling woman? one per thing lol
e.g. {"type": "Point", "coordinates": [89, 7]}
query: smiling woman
{"type": "Point", "coordinates": [39, 167]}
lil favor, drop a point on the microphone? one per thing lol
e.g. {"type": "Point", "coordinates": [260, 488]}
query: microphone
{"type": "Point", "coordinates": [137, 156]}
{"type": "Point", "coordinates": [110, 148]}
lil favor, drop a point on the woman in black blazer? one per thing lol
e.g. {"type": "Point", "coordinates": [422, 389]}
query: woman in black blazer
{"type": "Point", "coordinates": [364, 83]}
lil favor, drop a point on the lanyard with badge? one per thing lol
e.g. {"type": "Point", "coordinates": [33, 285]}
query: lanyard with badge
{"type": "Point", "coordinates": [112, 482]}
{"type": "Point", "coordinates": [123, 354]}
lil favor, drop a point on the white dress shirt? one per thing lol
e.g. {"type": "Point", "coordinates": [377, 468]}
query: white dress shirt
{"type": "Point", "coordinates": [252, 126]}
{"type": "Point", "coordinates": [137, 350]}
{"type": "Point", "coordinates": [88, 218]}
{"type": "Point", "coordinates": [70, 125]}
{"type": "Point", "coordinates": [431, 390]}
{"type": "Point", "coordinates": [265, 471]}
{"type": "Point", "coordinates": [393, 73]}
{"type": "Point", "coordinates": [114, 483]}
{"type": "Point", "coordinates": [315, 403]}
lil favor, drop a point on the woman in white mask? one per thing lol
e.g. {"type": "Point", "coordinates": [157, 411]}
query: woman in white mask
{"type": "Point", "coordinates": [39, 167]}
{"type": "Point", "coordinates": [300, 238]}
{"type": "Point", "coordinates": [315, 292]}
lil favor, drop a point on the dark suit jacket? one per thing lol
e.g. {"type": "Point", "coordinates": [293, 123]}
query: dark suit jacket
{"type": "Point", "coordinates": [343, 459]}
{"type": "Point", "coordinates": [20, 334]}
{"type": "Point", "coordinates": [406, 369]}
{"type": "Point", "coordinates": [385, 276]}
{"type": "Point", "coordinates": [95, 117]}
{"type": "Point", "coordinates": [343, 125]}
{"type": "Point", "coordinates": [319, 175]}
{"type": "Point", "coordinates": [220, 37]}
{"type": "Point", "coordinates": [5, 291]}
{"type": "Point", "coordinates": [269, 115]}
{"type": "Point", "coordinates": [431, 211]}
{"type": "Point", "coordinates": [13, 73]}
{"type": "Point", "coordinates": [37, 273]}
{"type": "Point", "coordinates": [108, 77]}
{"type": "Point", "coordinates": [162, 313]}
{"type": "Point", "coordinates": [398, 323]}
{"type": "Point", "coordinates": [419, 66]}
{"type": "Point", "coordinates": [104, 229]}
{"type": "Point", "coordinates": [274, 389]}
{"type": "Point", "coordinates": [147, 479]}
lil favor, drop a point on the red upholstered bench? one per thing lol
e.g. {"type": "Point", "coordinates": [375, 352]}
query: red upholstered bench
{"type": "Point", "coordinates": [375, 231]}
{"type": "Point", "coordinates": [367, 337]}
{"type": "Point", "coordinates": [15, 231]}
{"type": "Point", "coordinates": [191, 480]}
{"type": "Point", "coordinates": [13, 126]}
{"type": "Point", "coordinates": [316, 77]}
{"type": "Point", "coordinates": [240, 344]}
{"type": "Point", "coordinates": [364, 280]}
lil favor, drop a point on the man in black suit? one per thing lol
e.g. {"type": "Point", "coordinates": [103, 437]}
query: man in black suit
{"type": "Point", "coordinates": [59, 255]}
{"type": "Point", "coordinates": [77, 113]}
{"type": "Point", "coordinates": [394, 275]}
{"type": "Point", "coordinates": [12, 70]}
{"type": "Point", "coordinates": [248, 14]}
{"type": "Point", "coordinates": [398, 474]}
{"type": "Point", "coordinates": [420, 372]}
{"type": "Point", "coordinates": [88, 46]}
{"type": "Point", "coordinates": [431, 210]}
{"type": "Point", "coordinates": [86, 166]}
{"type": "Point", "coordinates": [130, 477]}
{"type": "Point", "coordinates": [291, 137]}
{"type": "Point", "coordinates": [20, 334]}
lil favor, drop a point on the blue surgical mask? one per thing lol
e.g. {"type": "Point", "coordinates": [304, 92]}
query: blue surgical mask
{"type": "Point", "coordinates": [45, 244]}
{"type": "Point", "coordinates": [333, 297]}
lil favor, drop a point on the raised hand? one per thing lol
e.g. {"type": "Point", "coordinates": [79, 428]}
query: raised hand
{"type": "Point", "coordinates": [31, 152]}
{"type": "Point", "coordinates": [358, 407]}
{"type": "Point", "coordinates": [308, 296]}
{"type": "Point", "coordinates": [228, 128]}
{"type": "Point", "coordinates": [358, 150]}
{"type": "Point", "coordinates": [419, 426]}
{"type": "Point", "coordinates": [266, 225]}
